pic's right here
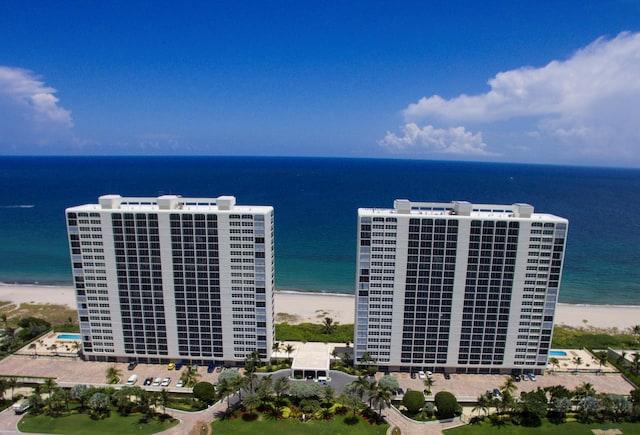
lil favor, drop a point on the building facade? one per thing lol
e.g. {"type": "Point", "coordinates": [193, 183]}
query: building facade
{"type": "Point", "coordinates": [173, 279]}
{"type": "Point", "coordinates": [457, 287]}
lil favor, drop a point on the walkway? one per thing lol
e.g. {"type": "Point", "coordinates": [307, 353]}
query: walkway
{"type": "Point", "coordinates": [411, 427]}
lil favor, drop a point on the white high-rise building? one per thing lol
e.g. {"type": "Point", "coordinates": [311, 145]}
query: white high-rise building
{"type": "Point", "coordinates": [458, 287]}
{"type": "Point", "coordinates": [173, 279]}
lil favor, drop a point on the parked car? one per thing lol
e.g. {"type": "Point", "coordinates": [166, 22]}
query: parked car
{"type": "Point", "coordinates": [496, 394]}
{"type": "Point", "coordinates": [156, 382]}
{"type": "Point", "coordinates": [210, 368]}
{"type": "Point", "coordinates": [179, 365]}
{"type": "Point", "coordinates": [413, 375]}
{"type": "Point", "coordinates": [165, 382]}
{"type": "Point", "coordinates": [180, 383]}
{"type": "Point", "coordinates": [429, 374]}
{"type": "Point", "coordinates": [399, 392]}
{"type": "Point", "coordinates": [171, 366]}
{"type": "Point", "coordinates": [532, 377]}
{"type": "Point", "coordinates": [21, 406]}
{"type": "Point", "coordinates": [447, 375]}
{"type": "Point", "coordinates": [132, 365]}
{"type": "Point", "coordinates": [219, 369]}
{"type": "Point", "coordinates": [421, 374]}
{"type": "Point", "coordinates": [516, 378]}
{"type": "Point", "coordinates": [132, 380]}
{"type": "Point", "coordinates": [148, 381]}
{"type": "Point", "coordinates": [524, 377]}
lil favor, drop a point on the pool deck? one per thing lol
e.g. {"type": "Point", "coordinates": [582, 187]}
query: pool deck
{"type": "Point", "coordinates": [50, 345]}
{"type": "Point", "coordinates": [589, 363]}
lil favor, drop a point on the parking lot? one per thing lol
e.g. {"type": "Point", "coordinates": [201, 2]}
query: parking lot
{"type": "Point", "coordinates": [71, 371]}
{"type": "Point", "coordinates": [469, 387]}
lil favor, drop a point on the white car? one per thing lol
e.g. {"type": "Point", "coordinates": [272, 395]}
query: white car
{"type": "Point", "coordinates": [429, 374]}
{"type": "Point", "coordinates": [421, 374]}
{"type": "Point", "coordinates": [165, 382]}
{"type": "Point", "coordinates": [180, 383]}
{"type": "Point", "coordinates": [156, 382]}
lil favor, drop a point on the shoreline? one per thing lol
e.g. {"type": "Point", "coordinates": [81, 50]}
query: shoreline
{"type": "Point", "coordinates": [297, 306]}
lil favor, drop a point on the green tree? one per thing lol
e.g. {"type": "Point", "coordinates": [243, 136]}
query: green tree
{"type": "Point", "coordinates": [533, 407]}
{"type": "Point", "coordinates": [601, 357]}
{"type": "Point", "coordinates": [428, 383]}
{"type": "Point", "coordinates": [281, 386]}
{"type": "Point", "coordinates": [225, 390]}
{"type": "Point", "coordinates": [577, 361]}
{"type": "Point", "coordinates": [584, 390]}
{"type": "Point", "coordinates": [382, 399]}
{"type": "Point", "coordinates": [388, 381]}
{"type": "Point", "coordinates": [12, 383]}
{"type": "Point", "coordinates": [190, 376]}
{"type": "Point", "coordinates": [289, 349]}
{"type": "Point", "coordinates": [251, 402]}
{"type": "Point", "coordinates": [164, 399]}
{"type": "Point", "coordinates": [79, 394]}
{"type": "Point", "coordinates": [276, 347]}
{"type": "Point", "coordinates": [588, 406]}
{"type": "Point", "coordinates": [560, 406]}
{"type": "Point", "coordinates": [204, 392]}
{"type": "Point", "coordinates": [413, 401]}
{"type": "Point", "coordinates": [265, 388]}
{"type": "Point", "coordinates": [328, 325]}
{"type": "Point", "coordinates": [99, 405]}
{"type": "Point", "coordinates": [113, 375]}
{"type": "Point", "coordinates": [446, 404]}
{"type": "Point", "coordinates": [483, 403]}
{"type": "Point", "coordinates": [509, 386]}
{"type": "Point", "coordinates": [555, 363]}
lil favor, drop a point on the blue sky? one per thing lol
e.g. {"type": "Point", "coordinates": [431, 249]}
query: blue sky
{"type": "Point", "coordinates": [505, 81]}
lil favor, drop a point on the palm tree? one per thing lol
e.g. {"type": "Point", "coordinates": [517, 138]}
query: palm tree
{"type": "Point", "coordinates": [509, 387]}
{"type": "Point", "coordinates": [76, 346]}
{"type": "Point", "coordinates": [281, 386]}
{"type": "Point", "coordinates": [49, 385]}
{"type": "Point", "coordinates": [225, 390]}
{"type": "Point", "coordinates": [289, 349]}
{"type": "Point", "coordinates": [428, 383]}
{"type": "Point", "coordinates": [382, 398]}
{"type": "Point", "coordinates": [54, 348]}
{"type": "Point", "coordinates": [328, 325]}
{"type": "Point", "coordinates": [635, 330]}
{"type": "Point", "coordinates": [190, 376]}
{"type": "Point", "coordinates": [277, 346]}
{"type": "Point", "coordinates": [164, 399]}
{"type": "Point", "coordinates": [265, 388]}
{"type": "Point", "coordinates": [12, 383]}
{"type": "Point", "coordinates": [635, 364]}
{"type": "Point", "coordinates": [577, 361]}
{"type": "Point", "coordinates": [601, 357]}
{"type": "Point", "coordinates": [347, 357]}
{"type": "Point", "coordinates": [113, 375]}
{"type": "Point", "coordinates": [251, 402]}
{"type": "Point", "coordinates": [483, 403]}
{"type": "Point", "coordinates": [555, 363]}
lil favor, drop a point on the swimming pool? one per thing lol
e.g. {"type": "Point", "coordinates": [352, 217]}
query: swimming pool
{"type": "Point", "coordinates": [69, 337]}
{"type": "Point", "coordinates": [557, 353]}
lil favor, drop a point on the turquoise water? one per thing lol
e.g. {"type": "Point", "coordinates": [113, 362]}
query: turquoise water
{"type": "Point", "coordinates": [316, 203]}
{"type": "Point", "coordinates": [68, 337]}
{"type": "Point", "coordinates": [557, 353]}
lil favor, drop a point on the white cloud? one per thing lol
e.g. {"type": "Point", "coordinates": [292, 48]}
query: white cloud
{"type": "Point", "coordinates": [589, 103]}
{"type": "Point", "coordinates": [455, 140]}
{"type": "Point", "coordinates": [29, 111]}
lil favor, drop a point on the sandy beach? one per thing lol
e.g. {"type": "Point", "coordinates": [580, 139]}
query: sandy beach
{"type": "Point", "coordinates": [297, 307]}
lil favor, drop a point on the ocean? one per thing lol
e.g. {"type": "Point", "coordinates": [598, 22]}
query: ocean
{"type": "Point", "coordinates": [316, 201]}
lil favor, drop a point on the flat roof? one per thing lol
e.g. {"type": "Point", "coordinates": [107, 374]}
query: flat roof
{"type": "Point", "coordinates": [312, 356]}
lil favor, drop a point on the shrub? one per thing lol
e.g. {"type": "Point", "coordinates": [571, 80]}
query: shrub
{"type": "Point", "coordinates": [205, 392]}
{"type": "Point", "coordinates": [388, 381]}
{"type": "Point", "coordinates": [413, 401]}
{"type": "Point", "coordinates": [446, 404]}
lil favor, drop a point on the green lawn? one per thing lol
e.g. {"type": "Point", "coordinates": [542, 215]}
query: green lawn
{"type": "Point", "coordinates": [546, 428]}
{"type": "Point", "coordinates": [81, 424]}
{"type": "Point", "coordinates": [336, 426]}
